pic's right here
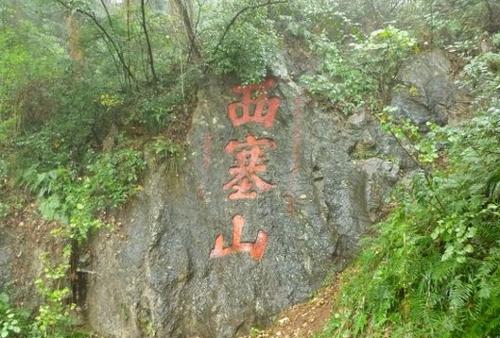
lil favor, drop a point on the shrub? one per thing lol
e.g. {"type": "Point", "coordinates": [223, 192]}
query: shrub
{"type": "Point", "coordinates": [339, 82]}
{"type": "Point", "coordinates": [482, 76]}
{"type": "Point", "coordinates": [362, 75]}
{"type": "Point", "coordinates": [250, 45]}
{"type": "Point", "coordinates": [13, 323]}
{"type": "Point", "coordinates": [433, 268]}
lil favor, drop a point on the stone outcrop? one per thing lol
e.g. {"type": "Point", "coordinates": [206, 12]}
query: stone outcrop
{"type": "Point", "coordinates": [262, 209]}
{"type": "Point", "coordinates": [428, 92]}
{"type": "Point", "coordinates": [156, 275]}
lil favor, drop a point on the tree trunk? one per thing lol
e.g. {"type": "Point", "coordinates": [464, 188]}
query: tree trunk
{"type": "Point", "coordinates": [183, 10]}
{"type": "Point", "coordinates": [148, 42]}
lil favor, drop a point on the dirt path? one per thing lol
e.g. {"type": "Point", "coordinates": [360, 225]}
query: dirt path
{"type": "Point", "coordinates": [302, 320]}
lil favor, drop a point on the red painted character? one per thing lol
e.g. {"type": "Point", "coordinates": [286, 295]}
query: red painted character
{"type": "Point", "coordinates": [255, 105]}
{"type": "Point", "coordinates": [250, 161]}
{"type": "Point", "coordinates": [256, 249]}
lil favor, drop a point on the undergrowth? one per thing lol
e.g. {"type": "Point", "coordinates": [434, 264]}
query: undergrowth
{"type": "Point", "coordinates": [432, 270]}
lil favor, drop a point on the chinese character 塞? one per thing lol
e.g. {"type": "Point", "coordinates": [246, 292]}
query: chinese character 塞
{"type": "Point", "coordinates": [250, 161]}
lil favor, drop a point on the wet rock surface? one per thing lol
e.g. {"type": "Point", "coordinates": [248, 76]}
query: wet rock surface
{"type": "Point", "coordinates": [325, 180]}
{"type": "Point", "coordinates": [152, 275]}
{"type": "Point", "coordinates": [6, 257]}
{"type": "Point", "coordinates": [24, 237]}
{"type": "Point", "coordinates": [428, 92]}
{"type": "Point", "coordinates": [156, 276]}
{"type": "Point", "coordinates": [381, 175]}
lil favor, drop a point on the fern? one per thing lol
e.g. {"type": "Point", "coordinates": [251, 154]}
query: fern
{"type": "Point", "coordinates": [432, 271]}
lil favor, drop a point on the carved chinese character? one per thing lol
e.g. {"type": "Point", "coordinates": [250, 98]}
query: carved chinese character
{"type": "Point", "coordinates": [250, 161]}
{"type": "Point", "coordinates": [255, 249]}
{"type": "Point", "coordinates": [255, 105]}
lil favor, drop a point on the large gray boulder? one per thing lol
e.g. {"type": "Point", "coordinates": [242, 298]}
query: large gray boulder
{"type": "Point", "coordinates": [428, 92]}
{"type": "Point", "coordinates": [190, 261]}
{"type": "Point", "coordinates": [157, 274]}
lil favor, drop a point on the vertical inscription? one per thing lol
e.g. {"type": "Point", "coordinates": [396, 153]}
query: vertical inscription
{"type": "Point", "coordinates": [255, 106]}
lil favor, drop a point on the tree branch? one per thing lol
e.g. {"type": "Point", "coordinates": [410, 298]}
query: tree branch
{"type": "Point", "coordinates": [105, 33]}
{"type": "Point", "coordinates": [115, 61]}
{"type": "Point", "coordinates": [186, 19]}
{"type": "Point", "coordinates": [195, 28]}
{"type": "Point", "coordinates": [414, 159]}
{"type": "Point", "coordinates": [148, 43]}
{"type": "Point", "coordinates": [240, 12]}
{"type": "Point", "coordinates": [107, 13]}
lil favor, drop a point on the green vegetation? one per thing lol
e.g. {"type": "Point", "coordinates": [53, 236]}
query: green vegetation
{"type": "Point", "coordinates": [431, 270]}
{"type": "Point", "coordinates": [85, 101]}
{"type": "Point", "coordinates": [88, 102]}
{"type": "Point", "coordinates": [354, 78]}
{"type": "Point", "coordinates": [12, 322]}
{"type": "Point", "coordinates": [249, 46]}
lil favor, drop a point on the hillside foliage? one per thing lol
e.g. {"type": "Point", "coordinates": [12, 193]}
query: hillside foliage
{"type": "Point", "coordinates": [93, 93]}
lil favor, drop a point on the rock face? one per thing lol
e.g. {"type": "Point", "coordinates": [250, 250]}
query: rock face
{"type": "Point", "coordinates": [24, 236]}
{"type": "Point", "coordinates": [5, 257]}
{"type": "Point", "coordinates": [156, 275]}
{"type": "Point", "coordinates": [428, 92]}
{"type": "Point", "coordinates": [381, 175]}
{"type": "Point", "coordinates": [262, 209]}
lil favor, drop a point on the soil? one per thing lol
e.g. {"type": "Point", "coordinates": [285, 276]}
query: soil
{"type": "Point", "coordinates": [303, 320]}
